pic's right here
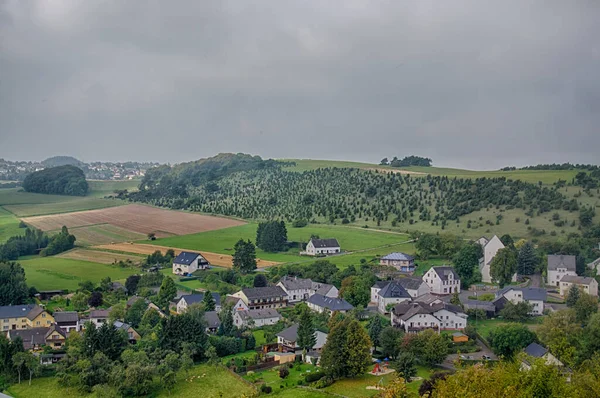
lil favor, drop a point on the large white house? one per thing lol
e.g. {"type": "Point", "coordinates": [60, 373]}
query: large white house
{"type": "Point", "coordinates": [559, 266]}
{"type": "Point", "coordinates": [257, 298]}
{"type": "Point", "coordinates": [299, 289]}
{"type": "Point", "coordinates": [442, 280]}
{"type": "Point", "coordinates": [586, 284]}
{"type": "Point", "coordinates": [316, 247]}
{"type": "Point", "coordinates": [415, 317]}
{"type": "Point", "coordinates": [256, 318]}
{"type": "Point", "coordinates": [188, 262]}
{"type": "Point", "coordinates": [532, 295]}
{"type": "Point", "coordinates": [490, 249]}
{"type": "Point", "coordinates": [390, 292]}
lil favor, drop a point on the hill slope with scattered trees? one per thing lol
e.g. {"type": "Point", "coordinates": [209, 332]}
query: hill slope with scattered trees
{"type": "Point", "coordinates": [60, 180]}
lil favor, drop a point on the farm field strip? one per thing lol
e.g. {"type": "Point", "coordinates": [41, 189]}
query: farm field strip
{"type": "Point", "coordinates": [100, 234]}
{"type": "Point", "coordinates": [97, 256]}
{"type": "Point", "coordinates": [41, 209]}
{"type": "Point", "coordinates": [222, 260]}
{"type": "Point", "coordinates": [137, 218]}
{"type": "Point", "coordinates": [9, 225]}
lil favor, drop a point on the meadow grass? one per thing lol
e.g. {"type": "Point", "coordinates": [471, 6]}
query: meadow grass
{"type": "Point", "coordinates": [223, 240]}
{"type": "Point", "coordinates": [485, 326]}
{"type": "Point", "coordinates": [9, 225]}
{"type": "Point", "coordinates": [81, 204]}
{"type": "Point", "coordinates": [49, 273]}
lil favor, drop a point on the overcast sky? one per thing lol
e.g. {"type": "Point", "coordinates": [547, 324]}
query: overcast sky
{"type": "Point", "coordinates": [477, 84]}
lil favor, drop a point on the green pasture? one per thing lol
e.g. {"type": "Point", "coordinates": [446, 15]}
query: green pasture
{"type": "Point", "coordinates": [9, 225]}
{"type": "Point", "coordinates": [223, 240]}
{"type": "Point", "coordinates": [50, 273]}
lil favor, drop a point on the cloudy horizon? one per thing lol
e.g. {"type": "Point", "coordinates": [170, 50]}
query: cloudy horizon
{"type": "Point", "coordinates": [470, 84]}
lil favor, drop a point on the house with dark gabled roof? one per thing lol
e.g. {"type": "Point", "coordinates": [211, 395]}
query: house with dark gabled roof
{"type": "Point", "coordinates": [212, 321]}
{"type": "Point", "coordinates": [256, 318]}
{"type": "Point", "coordinates": [320, 303]}
{"type": "Point", "coordinates": [318, 247]}
{"type": "Point", "coordinates": [188, 262]}
{"type": "Point", "coordinates": [415, 316]}
{"type": "Point", "coordinates": [67, 320]}
{"type": "Point", "coordinates": [414, 285]}
{"type": "Point", "coordinates": [391, 292]}
{"type": "Point", "coordinates": [299, 289]}
{"type": "Point", "coordinates": [132, 335]}
{"type": "Point", "coordinates": [586, 284]}
{"type": "Point", "coordinates": [532, 295]}
{"type": "Point", "coordinates": [559, 266]}
{"type": "Point", "coordinates": [401, 261]}
{"type": "Point", "coordinates": [442, 280]}
{"type": "Point", "coordinates": [186, 300]}
{"type": "Point", "coordinates": [257, 298]}
{"type": "Point", "coordinates": [286, 339]}
{"type": "Point", "coordinates": [25, 316]}
{"type": "Point", "coordinates": [535, 351]}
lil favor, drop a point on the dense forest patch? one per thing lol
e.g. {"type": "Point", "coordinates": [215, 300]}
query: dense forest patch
{"type": "Point", "coordinates": [60, 180]}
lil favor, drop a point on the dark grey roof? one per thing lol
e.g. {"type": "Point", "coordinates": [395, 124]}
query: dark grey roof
{"type": "Point", "coordinates": [323, 288]}
{"type": "Point", "coordinates": [212, 319]}
{"type": "Point", "coordinates": [266, 313]}
{"type": "Point", "coordinates": [332, 304]}
{"type": "Point", "coordinates": [393, 290]}
{"type": "Point", "coordinates": [15, 311]}
{"type": "Point", "coordinates": [556, 261]}
{"type": "Point", "coordinates": [99, 314]}
{"type": "Point", "coordinates": [186, 258]}
{"type": "Point", "coordinates": [198, 297]}
{"type": "Point", "coordinates": [121, 325]}
{"type": "Point", "coordinates": [397, 256]}
{"type": "Point", "coordinates": [295, 283]}
{"type": "Point", "coordinates": [581, 280]}
{"type": "Point", "coordinates": [412, 283]}
{"type": "Point", "coordinates": [264, 292]}
{"type": "Point", "coordinates": [444, 271]}
{"type": "Point", "coordinates": [290, 334]}
{"type": "Point", "coordinates": [429, 298]}
{"type": "Point", "coordinates": [529, 293]}
{"type": "Point", "coordinates": [31, 337]}
{"type": "Point", "coordinates": [35, 311]}
{"type": "Point", "coordinates": [55, 328]}
{"type": "Point", "coordinates": [535, 350]}
{"type": "Point", "coordinates": [380, 284]}
{"type": "Point", "coordinates": [408, 310]}
{"type": "Point", "coordinates": [479, 305]}
{"type": "Point", "coordinates": [322, 243]}
{"type": "Point", "coordinates": [66, 316]}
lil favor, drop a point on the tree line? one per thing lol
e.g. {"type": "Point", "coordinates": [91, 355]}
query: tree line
{"type": "Point", "coordinates": [407, 161]}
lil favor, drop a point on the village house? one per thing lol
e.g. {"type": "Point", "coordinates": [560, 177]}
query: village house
{"type": "Point", "coordinates": [442, 280]}
{"type": "Point", "coordinates": [286, 340]}
{"type": "Point", "coordinates": [257, 298]}
{"type": "Point", "coordinates": [318, 247]}
{"type": "Point", "coordinates": [490, 249]}
{"type": "Point", "coordinates": [299, 289]}
{"type": "Point", "coordinates": [535, 350]}
{"type": "Point", "coordinates": [558, 266]}
{"type": "Point", "coordinates": [13, 317]}
{"type": "Point", "coordinates": [415, 317]}
{"type": "Point", "coordinates": [320, 303]}
{"type": "Point", "coordinates": [35, 338]}
{"type": "Point", "coordinates": [586, 284]}
{"type": "Point", "coordinates": [401, 261]}
{"type": "Point", "coordinates": [189, 262]}
{"type": "Point", "coordinates": [237, 304]}
{"type": "Point", "coordinates": [132, 336]}
{"type": "Point", "coordinates": [67, 320]}
{"type": "Point", "coordinates": [212, 321]}
{"type": "Point", "coordinates": [531, 295]}
{"type": "Point", "coordinates": [390, 293]}
{"type": "Point", "coordinates": [256, 318]}
{"type": "Point", "coordinates": [98, 317]}
{"type": "Point", "coordinates": [414, 285]}
{"type": "Point", "coordinates": [197, 298]}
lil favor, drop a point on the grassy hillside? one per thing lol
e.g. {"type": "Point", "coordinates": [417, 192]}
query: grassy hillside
{"type": "Point", "coordinates": [223, 240]}
{"type": "Point", "coordinates": [9, 225]}
{"type": "Point", "coordinates": [48, 273]}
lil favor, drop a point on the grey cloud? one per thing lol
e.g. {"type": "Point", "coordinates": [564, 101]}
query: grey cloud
{"type": "Point", "coordinates": [468, 83]}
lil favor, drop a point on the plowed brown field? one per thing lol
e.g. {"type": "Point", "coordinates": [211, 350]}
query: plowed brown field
{"type": "Point", "coordinates": [137, 218]}
{"type": "Point", "coordinates": [222, 260]}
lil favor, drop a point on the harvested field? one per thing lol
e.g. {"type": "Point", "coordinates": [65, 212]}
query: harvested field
{"type": "Point", "coordinates": [137, 218]}
{"type": "Point", "coordinates": [221, 260]}
{"type": "Point", "coordinates": [81, 204]}
{"type": "Point", "coordinates": [97, 256]}
{"type": "Point", "coordinates": [103, 234]}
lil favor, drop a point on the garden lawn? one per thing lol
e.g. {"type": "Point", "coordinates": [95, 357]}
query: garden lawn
{"type": "Point", "coordinates": [485, 326]}
{"type": "Point", "coordinates": [50, 273]}
{"type": "Point", "coordinates": [44, 387]}
{"type": "Point", "coordinates": [298, 392]}
{"type": "Point", "coordinates": [259, 336]}
{"type": "Point", "coordinates": [223, 240]}
{"type": "Point", "coordinates": [245, 354]}
{"type": "Point", "coordinates": [271, 376]}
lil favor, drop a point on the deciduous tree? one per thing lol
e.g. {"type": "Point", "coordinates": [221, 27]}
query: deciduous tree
{"type": "Point", "coordinates": [244, 256]}
{"type": "Point", "coordinates": [503, 266]}
{"type": "Point", "coordinates": [509, 339]}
